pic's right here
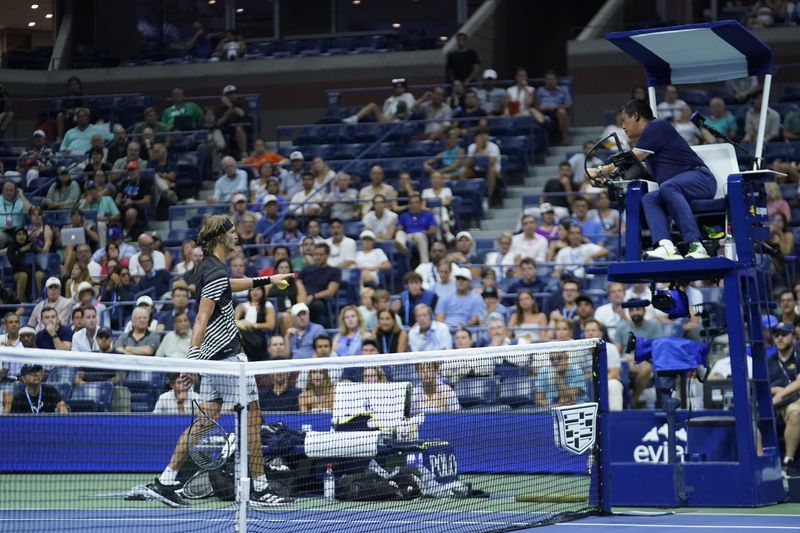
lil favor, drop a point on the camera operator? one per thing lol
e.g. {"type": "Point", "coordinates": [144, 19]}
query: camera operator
{"type": "Point", "coordinates": [681, 174]}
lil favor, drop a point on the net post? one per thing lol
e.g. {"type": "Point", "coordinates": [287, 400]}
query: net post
{"type": "Point", "coordinates": [243, 489]}
{"type": "Point", "coordinates": [600, 375]}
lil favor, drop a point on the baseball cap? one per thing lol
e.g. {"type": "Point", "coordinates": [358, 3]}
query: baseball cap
{"type": "Point", "coordinates": [144, 300]}
{"type": "Point", "coordinates": [297, 155]}
{"type": "Point", "coordinates": [132, 165]}
{"type": "Point", "coordinates": [229, 89]}
{"type": "Point", "coordinates": [103, 332]}
{"type": "Point", "coordinates": [367, 234]}
{"type": "Point", "coordinates": [30, 369]}
{"type": "Point", "coordinates": [490, 73]}
{"type": "Point", "coordinates": [63, 170]}
{"type": "Point", "coordinates": [39, 133]}
{"type": "Point", "coordinates": [299, 308]}
{"type": "Point", "coordinates": [114, 233]}
{"type": "Point", "coordinates": [27, 330]}
{"type": "Point", "coordinates": [783, 327]}
{"type": "Point", "coordinates": [464, 234]}
{"type": "Point", "coordinates": [490, 292]}
{"type": "Point", "coordinates": [546, 208]}
{"type": "Point", "coordinates": [238, 197]}
{"type": "Point", "coordinates": [90, 185]}
{"type": "Point", "coordinates": [84, 286]}
{"type": "Point", "coordinates": [462, 272]}
{"type": "Point", "coordinates": [270, 198]}
{"type": "Point", "coordinates": [54, 281]}
{"type": "Point", "coordinates": [768, 321]}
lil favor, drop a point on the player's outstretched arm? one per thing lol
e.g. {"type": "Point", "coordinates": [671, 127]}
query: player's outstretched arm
{"type": "Point", "coordinates": [279, 280]}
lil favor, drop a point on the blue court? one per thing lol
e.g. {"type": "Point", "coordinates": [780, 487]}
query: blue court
{"type": "Point", "coordinates": [183, 520]}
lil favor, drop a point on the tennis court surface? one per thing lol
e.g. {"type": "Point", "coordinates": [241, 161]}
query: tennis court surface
{"type": "Point", "coordinates": [94, 502]}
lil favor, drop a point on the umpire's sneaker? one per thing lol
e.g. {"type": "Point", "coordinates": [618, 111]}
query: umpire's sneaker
{"type": "Point", "coordinates": [697, 251]}
{"type": "Point", "coordinates": [166, 494]}
{"type": "Point", "coordinates": [663, 252]}
{"type": "Point", "coordinates": [265, 498]}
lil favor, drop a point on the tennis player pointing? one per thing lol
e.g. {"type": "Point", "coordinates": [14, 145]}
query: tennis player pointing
{"type": "Point", "coordinates": [216, 337]}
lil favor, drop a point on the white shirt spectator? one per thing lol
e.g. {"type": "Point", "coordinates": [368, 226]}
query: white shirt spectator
{"type": "Point", "coordinates": [440, 117]}
{"type": "Point", "coordinates": [569, 258]}
{"type": "Point", "coordinates": [624, 142]}
{"type": "Point", "coordinates": [535, 248]}
{"type": "Point", "coordinates": [671, 111]}
{"type": "Point", "coordinates": [430, 276]}
{"type": "Point", "coordinates": [13, 368]}
{"type": "Point", "coordinates": [436, 338]}
{"type": "Point", "coordinates": [577, 161]}
{"type": "Point", "coordinates": [136, 270]}
{"type": "Point", "coordinates": [492, 150]}
{"type": "Point", "coordinates": [299, 205]}
{"type": "Point", "coordinates": [379, 225]}
{"type": "Point", "coordinates": [81, 342]}
{"type": "Point", "coordinates": [723, 368]}
{"type": "Point", "coordinates": [167, 404]}
{"type": "Point", "coordinates": [606, 315]}
{"type": "Point", "coordinates": [344, 251]}
{"type": "Point", "coordinates": [174, 345]}
{"type": "Point", "coordinates": [372, 259]}
{"type": "Point", "coordinates": [226, 187]}
{"type": "Point", "coordinates": [389, 109]}
{"type": "Point", "coordinates": [514, 95]}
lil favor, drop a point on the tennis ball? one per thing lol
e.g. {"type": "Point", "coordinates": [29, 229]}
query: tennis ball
{"type": "Point", "coordinates": [282, 284]}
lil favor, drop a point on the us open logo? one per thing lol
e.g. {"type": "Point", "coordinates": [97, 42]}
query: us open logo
{"type": "Point", "coordinates": [575, 427]}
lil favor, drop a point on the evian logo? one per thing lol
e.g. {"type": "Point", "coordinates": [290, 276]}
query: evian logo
{"type": "Point", "coordinates": [654, 446]}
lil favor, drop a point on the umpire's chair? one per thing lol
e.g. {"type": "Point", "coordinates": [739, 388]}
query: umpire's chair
{"type": "Point", "coordinates": [721, 160]}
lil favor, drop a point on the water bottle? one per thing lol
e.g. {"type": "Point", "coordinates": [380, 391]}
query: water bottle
{"type": "Point", "coordinates": [329, 490]}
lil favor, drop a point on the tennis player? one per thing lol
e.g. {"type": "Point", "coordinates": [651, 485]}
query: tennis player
{"type": "Point", "coordinates": [216, 337]}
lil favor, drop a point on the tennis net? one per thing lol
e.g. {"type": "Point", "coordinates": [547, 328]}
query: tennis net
{"type": "Point", "coordinates": [489, 439]}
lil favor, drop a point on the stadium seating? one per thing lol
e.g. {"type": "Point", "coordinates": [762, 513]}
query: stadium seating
{"type": "Point", "coordinates": [145, 389]}
{"type": "Point", "coordinates": [516, 391]}
{"type": "Point", "coordinates": [91, 397]}
{"type": "Point", "coordinates": [476, 391]}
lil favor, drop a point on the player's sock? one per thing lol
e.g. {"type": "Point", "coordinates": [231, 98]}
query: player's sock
{"type": "Point", "coordinates": [260, 483]}
{"type": "Point", "coordinates": [168, 477]}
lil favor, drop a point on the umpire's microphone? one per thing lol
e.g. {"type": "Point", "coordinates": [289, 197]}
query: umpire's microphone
{"type": "Point", "coordinates": [699, 120]}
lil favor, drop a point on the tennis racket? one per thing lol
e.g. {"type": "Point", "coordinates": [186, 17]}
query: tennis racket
{"type": "Point", "coordinates": [209, 445]}
{"type": "Point", "coordinates": [198, 486]}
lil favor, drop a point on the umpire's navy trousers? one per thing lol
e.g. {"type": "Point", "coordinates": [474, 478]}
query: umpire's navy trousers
{"type": "Point", "coordinates": [672, 199]}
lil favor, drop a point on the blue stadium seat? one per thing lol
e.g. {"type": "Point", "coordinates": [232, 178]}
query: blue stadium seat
{"type": "Point", "coordinates": [791, 93]}
{"type": "Point", "coordinates": [348, 289]}
{"type": "Point", "coordinates": [312, 150]}
{"type": "Point", "coordinates": [64, 389]}
{"type": "Point", "coordinates": [177, 236]}
{"type": "Point", "coordinates": [476, 391]}
{"type": "Point", "coordinates": [56, 217]}
{"type": "Point", "coordinates": [368, 132]}
{"type": "Point", "coordinates": [421, 148]}
{"type": "Point", "coordinates": [347, 151]}
{"type": "Point", "coordinates": [145, 389]}
{"type": "Point", "coordinates": [501, 126]}
{"type": "Point", "coordinates": [405, 373]}
{"type": "Point", "coordinates": [91, 397]}
{"type": "Point", "coordinates": [262, 261]}
{"type": "Point", "coordinates": [342, 45]}
{"type": "Point", "coordinates": [516, 391]}
{"type": "Point", "coordinates": [695, 97]}
{"type": "Point", "coordinates": [61, 374]}
{"type": "Point", "coordinates": [353, 228]}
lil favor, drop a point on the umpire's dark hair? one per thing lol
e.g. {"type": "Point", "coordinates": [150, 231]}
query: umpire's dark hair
{"type": "Point", "coordinates": [638, 109]}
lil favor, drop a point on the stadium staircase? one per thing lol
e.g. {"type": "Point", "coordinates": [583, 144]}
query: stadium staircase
{"type": "Point", "coordinates": [505, 218]}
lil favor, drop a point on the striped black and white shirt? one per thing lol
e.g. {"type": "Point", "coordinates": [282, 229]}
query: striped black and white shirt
{"type": "Point", "coordinates": [221, 339]}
